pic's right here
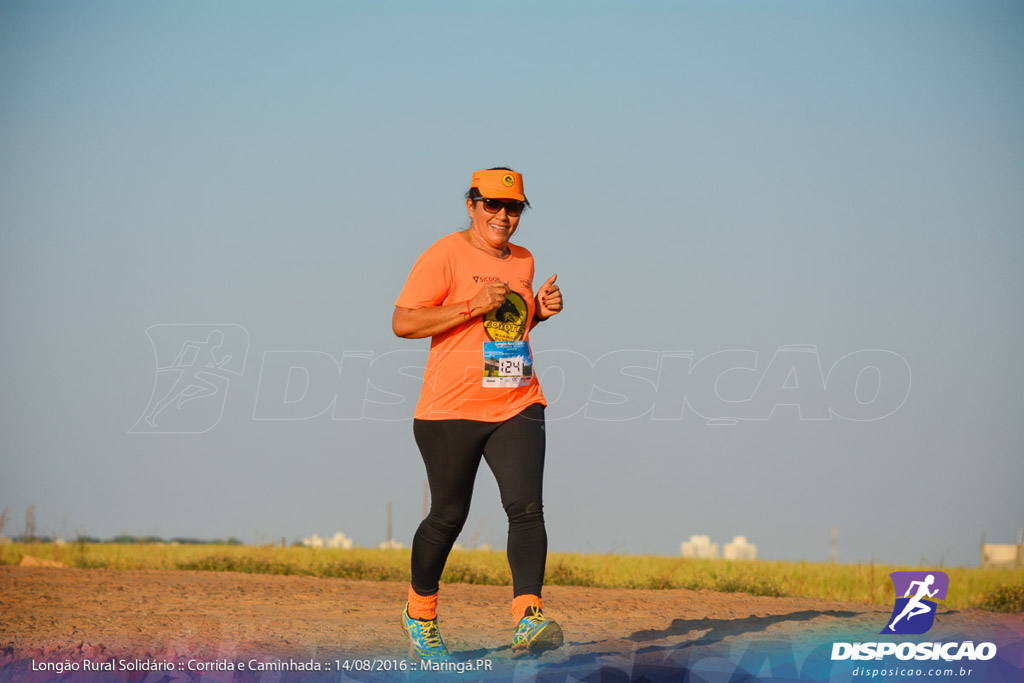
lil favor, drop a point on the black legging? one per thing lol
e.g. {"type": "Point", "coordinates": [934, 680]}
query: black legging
{"type": "Point", "coordinates": [514, 451]}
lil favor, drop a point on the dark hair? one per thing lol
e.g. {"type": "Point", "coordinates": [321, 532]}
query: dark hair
{"type": "Point", "coordinates": [474, 194]}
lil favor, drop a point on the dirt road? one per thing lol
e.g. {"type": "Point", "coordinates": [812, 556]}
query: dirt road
{"type": "Point", "coordinates": [181, 616]}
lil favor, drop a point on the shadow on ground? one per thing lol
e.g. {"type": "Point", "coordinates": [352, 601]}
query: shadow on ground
{"type": "Point", "coordinates": [717, 629]}
{"type": "Point", "coordinates": [706, 634]}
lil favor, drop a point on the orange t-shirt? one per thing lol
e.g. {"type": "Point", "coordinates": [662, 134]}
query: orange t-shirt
{"type": "Point", "coordinates": [452, 271]}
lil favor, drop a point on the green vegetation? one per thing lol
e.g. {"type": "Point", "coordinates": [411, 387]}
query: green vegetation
{"type": "Point", "coordinates": [1006, 598]}
{"type": "Point", "coordinates": [991, 589]}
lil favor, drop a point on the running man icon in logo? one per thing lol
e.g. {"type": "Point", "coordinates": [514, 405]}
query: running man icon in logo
{"type": "Point", "coordinates": [204, 358]}
{"type": "Point", "coordinates": [914, 613]}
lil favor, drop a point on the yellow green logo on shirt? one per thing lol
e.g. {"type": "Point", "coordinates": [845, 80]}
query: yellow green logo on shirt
{"type": "Point", "coordinates": [508, 321]}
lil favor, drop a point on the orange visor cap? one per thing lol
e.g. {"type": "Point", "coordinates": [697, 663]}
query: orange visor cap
{"type": "Point", "coordinates": [499, 185]}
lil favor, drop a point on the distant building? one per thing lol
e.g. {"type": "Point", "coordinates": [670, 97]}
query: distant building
{"type": "Point", "coordinates": [338, 540]}
{"type": "Point", "coordinates": [699, 547]}
{"type": "Point", "coordinates": [1002, 555]}
{"type": "Point", "coordinates": [739, 549]}
{"type": "Point", "coordinates": [482, 546]}
{"type": "Point", "coordinates": [390, 545]}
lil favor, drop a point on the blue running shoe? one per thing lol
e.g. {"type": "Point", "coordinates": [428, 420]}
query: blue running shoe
{"type": "Point", "coordinates": [424, 638]}
{"type": "Point", "coordinates": [535, 634]}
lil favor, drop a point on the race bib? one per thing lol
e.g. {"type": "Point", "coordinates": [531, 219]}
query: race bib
{"type": "Point", "coordinates": [507, 364]}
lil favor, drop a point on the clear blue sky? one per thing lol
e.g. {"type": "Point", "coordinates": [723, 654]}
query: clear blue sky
{"type": "Point", "coordinates": [705, 177]}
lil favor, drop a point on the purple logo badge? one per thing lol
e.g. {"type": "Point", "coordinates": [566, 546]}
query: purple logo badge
{"type": "Point", "coordinates": [916, 593]}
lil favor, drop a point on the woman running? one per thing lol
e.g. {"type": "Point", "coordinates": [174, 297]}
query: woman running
{"type": "Point", "coordinates": [472, 293]}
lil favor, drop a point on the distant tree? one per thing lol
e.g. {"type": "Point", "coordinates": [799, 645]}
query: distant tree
{"type": "Point", "coordinates": [30, 522]}
{"type": "Point", "coordinates": [3, 520]}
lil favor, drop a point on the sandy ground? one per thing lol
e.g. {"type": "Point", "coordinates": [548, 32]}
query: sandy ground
{"type": "Point", "coordinates": [97, 614]}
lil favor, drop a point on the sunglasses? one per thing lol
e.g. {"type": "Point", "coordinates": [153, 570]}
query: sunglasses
{"type": "Point", "coordinates": [496, 205]}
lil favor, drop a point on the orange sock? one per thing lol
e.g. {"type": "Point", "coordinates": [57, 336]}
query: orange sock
{"type": "Point", "coordinates": [520, 605]}
{"type": "Point", "coordinates": [422, 606]}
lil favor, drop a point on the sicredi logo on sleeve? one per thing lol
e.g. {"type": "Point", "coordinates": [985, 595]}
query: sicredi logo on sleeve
{"type": "Point", "coordinates": [916, 595]}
